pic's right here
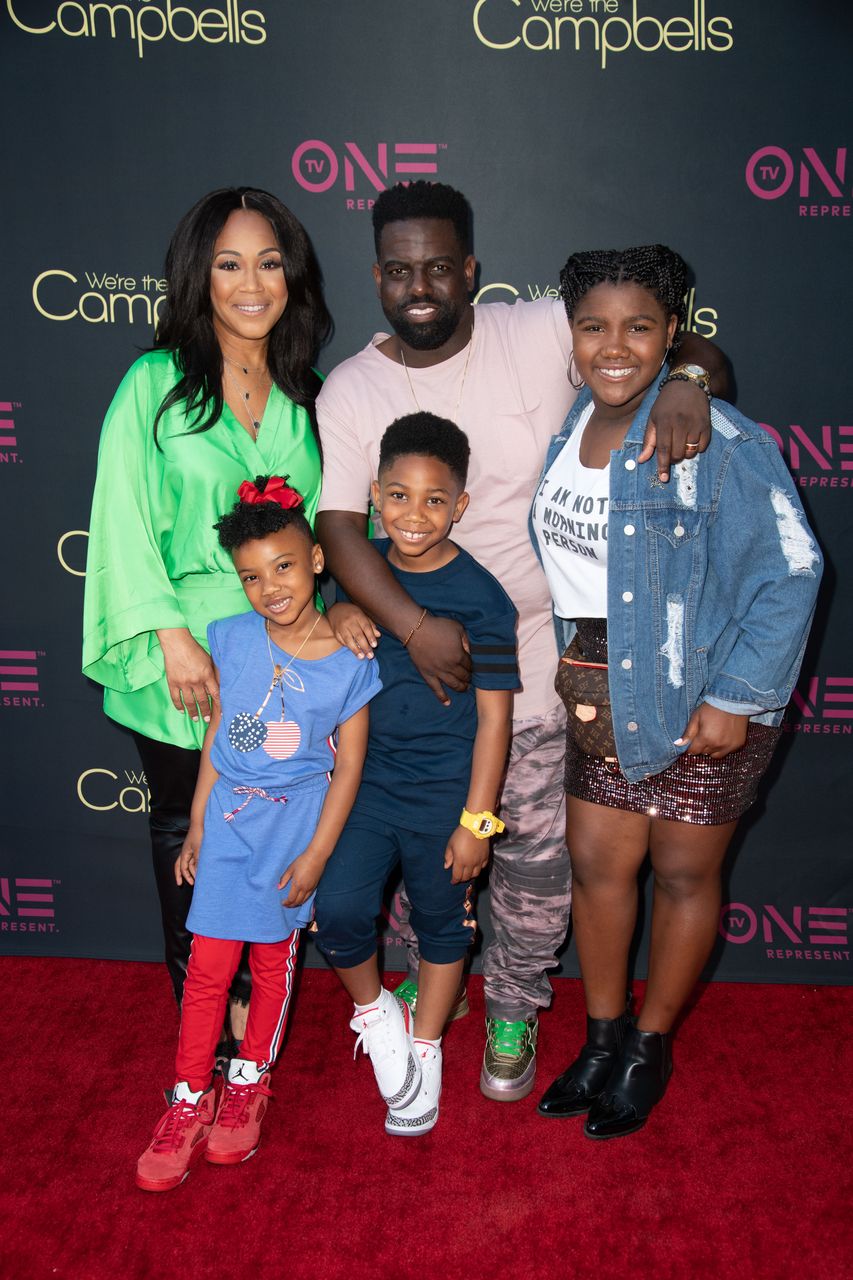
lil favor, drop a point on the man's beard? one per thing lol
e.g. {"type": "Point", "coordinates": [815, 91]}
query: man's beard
{"type": "Point", "coordinates": [425, 337]}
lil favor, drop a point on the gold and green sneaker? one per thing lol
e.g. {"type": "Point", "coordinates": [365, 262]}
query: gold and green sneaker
{"type": "Point", "coordinates": [408, 992]}
{"type": "Point", "coordinates": [509, 1063]}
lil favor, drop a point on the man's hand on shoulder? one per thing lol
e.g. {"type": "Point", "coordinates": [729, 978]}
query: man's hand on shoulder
{"type": "Point", "coordinates": [438, 648]}
{"type": "Point", "coordinates": [679, 424]}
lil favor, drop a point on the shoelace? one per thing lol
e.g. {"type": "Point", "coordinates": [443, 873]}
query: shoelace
{"type": "Point", "coordinates": [169, 1133]}
{"type": "Point", "coordinates": [234, 1111]}
{"type": "Point", "coordinates": [363, 1035]}
{"type": "Point", "coordinates": [508, 1038]}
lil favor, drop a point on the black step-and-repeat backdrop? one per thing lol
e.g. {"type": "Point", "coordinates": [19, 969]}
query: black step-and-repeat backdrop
{"type": "Point", "coordinates": [719, 127]}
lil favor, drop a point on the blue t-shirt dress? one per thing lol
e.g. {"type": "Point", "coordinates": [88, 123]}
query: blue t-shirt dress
{"type": "Point", "coordinates": [273, 758]}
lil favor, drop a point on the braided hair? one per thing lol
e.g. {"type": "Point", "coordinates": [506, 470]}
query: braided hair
{"type": "Point", "coordinates": [405, 201]}
{"type": "Point", "coordinates": [247, 521]}
{"type": "Point", "coordinates": [653, 266]}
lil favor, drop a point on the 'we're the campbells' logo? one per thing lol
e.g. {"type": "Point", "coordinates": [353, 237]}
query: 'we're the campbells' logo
{"type": "Point", "coordinates": [820, 457]}
{"type": "Point", "coordinates": [797, 933]}
{"type": "Point", "coordinates": [27, 905]}
{"type": "Point", "coordinates": [702, 320]}
{"type": "Point", "coordinates": [816, 183]}
{"type": "Point", "coordinates": [600, 28]}
{"type": "Point", "coordinates": [71, 551]}
{"type": "Point", "coordinates": [821, 704]}
{"type": "Point", "coordinates": [98, 297]}
{"type": "Point", "coordinates": [228, 22]}
{"type": "Point", "coordinates": [19, 677]}
{"type": "Point", "coordinates": [9, 431]}
{"type": "Point", "coordinates": [362, 171]}
{"type": "Point", "coordinates": [104, 790]}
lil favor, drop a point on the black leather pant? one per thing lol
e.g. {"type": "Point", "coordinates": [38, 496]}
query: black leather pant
{"type": "Point", "coordinates": [171, 773]}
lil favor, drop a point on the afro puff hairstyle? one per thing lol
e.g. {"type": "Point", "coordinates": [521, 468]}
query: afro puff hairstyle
{"type": "Point", "coordinates": [249, 520]}
{"type": "Point", "coordinates": [427, 436]}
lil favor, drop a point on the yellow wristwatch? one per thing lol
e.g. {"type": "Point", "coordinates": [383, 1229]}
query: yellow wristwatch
{"type": "Point", "coordinates": [483, 824]}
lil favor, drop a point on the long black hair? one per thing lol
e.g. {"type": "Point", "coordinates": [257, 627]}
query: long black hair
{"type": "Point", "coordinates": [186, 321]}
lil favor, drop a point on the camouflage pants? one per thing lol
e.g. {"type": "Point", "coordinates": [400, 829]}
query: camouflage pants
{"type": "Point", "coordinates": [529, 876]}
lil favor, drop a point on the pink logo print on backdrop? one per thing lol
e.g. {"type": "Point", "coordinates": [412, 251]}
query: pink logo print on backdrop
{"type": "Point", "coordinates": [826, 698]}
{"type": "Point", "coordinates": [18, 671]}
{"type": "Point", "coordinates": [826, 926]}
{"type": "Point", "coordinates": [8, 439]}
{"type": "Point", "coordinates": [316, 166]}
{"type": "Point", "coordinates": [31, 900]}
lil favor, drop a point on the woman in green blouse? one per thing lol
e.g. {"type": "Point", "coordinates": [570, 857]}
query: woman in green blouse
{"type": "Point", "coordinates": [226, 394]}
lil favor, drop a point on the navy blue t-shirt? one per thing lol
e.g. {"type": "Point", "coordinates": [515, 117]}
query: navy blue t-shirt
{"type": "Point", "coordinates": [418, 762]}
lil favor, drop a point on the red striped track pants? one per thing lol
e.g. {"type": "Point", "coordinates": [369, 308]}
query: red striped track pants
{"type": "Point", "coordinates": [213, 963]}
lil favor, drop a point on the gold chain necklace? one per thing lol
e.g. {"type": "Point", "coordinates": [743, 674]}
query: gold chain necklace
{"type": "Point", "coordinates": [461, 384]}
{"type": "Point", "coordinates": [277, 669]}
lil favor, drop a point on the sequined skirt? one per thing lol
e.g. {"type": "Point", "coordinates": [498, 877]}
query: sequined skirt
{"type": "Point", "coordinates": [692, 789]}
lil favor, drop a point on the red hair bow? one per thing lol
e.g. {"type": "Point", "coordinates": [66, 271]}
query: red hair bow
{"type": "Point", "coordinates": [277, 490]}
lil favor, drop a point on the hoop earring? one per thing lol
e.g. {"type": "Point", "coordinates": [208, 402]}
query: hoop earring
{"type": "Point", "coordinates": [665, 356]}
{"type": "Point", "coordinates": [580, 382]}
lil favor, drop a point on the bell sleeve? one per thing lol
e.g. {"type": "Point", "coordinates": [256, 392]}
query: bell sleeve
{"type": "Point", "coordinates": [128, 592]}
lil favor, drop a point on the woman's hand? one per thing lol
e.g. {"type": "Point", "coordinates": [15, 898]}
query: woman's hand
{"type": "Point", "coordinates": [466, 855]}
{"type": "Point", "coordinates": [352, 627]}
{"type": "Point", "coordinates": [187, 860]}
{"type": "Point", "coordinates": [303, 876]}
{"type": "Point", "coordinates": [680, 417]}
{"type": "Point", "coordinates": [715, 733]}
{"type": "Point", "coordinates": [439, 650]}
{"type": "Point", "coordinates": [190, 673]}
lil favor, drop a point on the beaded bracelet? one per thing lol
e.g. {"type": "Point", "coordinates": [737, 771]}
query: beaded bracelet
{"type": "Point", "coordinates": [415, 628]}
{"type": "Point", "coordinates": [682, 377]}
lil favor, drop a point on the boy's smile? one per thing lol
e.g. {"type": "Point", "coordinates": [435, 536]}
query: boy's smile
{"type": "Point", "coordinates": [419, 499]}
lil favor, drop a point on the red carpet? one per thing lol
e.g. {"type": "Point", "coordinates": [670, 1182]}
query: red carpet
{"type": "Point", "coordinates": [744, 1170]}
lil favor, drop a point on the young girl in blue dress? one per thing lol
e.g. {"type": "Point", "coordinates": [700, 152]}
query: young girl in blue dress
{"type": "Point", "coordinates": [280, 767]}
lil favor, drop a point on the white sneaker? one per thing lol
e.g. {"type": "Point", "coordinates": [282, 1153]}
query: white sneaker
{"type": "Point", "coordinates": [422, 1113]}
{"type": "Point", "coordinates": [385, 1035]}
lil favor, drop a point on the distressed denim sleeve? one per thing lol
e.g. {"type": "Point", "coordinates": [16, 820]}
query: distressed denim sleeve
{"type": "Point", "coordinates": [769, 563]}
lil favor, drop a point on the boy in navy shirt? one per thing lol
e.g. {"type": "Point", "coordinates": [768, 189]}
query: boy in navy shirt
{"type": "Point", "coordinates": [432, 775]}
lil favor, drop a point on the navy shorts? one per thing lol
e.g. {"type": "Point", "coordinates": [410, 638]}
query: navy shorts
{"type": "Point", "coordinates": [349, 895]}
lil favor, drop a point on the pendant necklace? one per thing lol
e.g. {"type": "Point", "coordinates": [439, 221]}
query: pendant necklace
{"type": "Point", "coordinates": [279, 738]}
{"type": "Point", "coordinates": [244, 392]}
{"type": "Point", "coordinates": [461, 384]}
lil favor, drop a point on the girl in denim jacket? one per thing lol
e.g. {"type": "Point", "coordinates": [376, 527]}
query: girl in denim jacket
{"type": "Point", "coordinates": [686, 608]}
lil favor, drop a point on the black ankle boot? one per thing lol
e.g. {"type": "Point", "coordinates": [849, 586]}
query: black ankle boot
{"type": "Point", "coordinates": [576, 1089]}
{"type": "Point", "coordinates": [638, 1080]}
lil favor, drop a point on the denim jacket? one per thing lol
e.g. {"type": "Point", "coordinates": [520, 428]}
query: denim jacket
{"type": "Point", "coordinates": [711, 584]}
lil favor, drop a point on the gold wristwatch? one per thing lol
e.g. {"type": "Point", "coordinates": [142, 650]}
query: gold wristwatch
{"type": "Point", "coordinates": [483, 824]}
{"type": "Point", "coordinates": [694, 373]}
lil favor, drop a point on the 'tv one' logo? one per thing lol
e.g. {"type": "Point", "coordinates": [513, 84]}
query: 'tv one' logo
{"type": "Point", "coordinates": [317, 166]}
{"type": "Point", "coordinates": [820, 926]}
{"type": "Point", "coordinates": [770, 175]}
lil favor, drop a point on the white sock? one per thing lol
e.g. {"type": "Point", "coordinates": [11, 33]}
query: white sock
{"type": "Point", "coordinates": [244, 1071]}
{"type": "Point", "coordinates": [427, 1044]}
{"type": "Point", "coordinates": [183, 1093]}
{"type": "Point", "coordinates": [373, 1004]}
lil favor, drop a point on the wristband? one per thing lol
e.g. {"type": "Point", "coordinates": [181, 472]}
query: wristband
{"type": "Point", "coordinates": [482, 824]}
